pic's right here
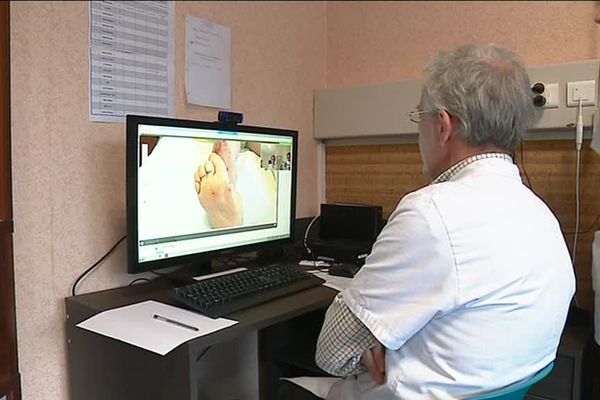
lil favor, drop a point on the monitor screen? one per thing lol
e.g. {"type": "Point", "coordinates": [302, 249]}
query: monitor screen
{"type": "Point", "coordinates": [196, 190]}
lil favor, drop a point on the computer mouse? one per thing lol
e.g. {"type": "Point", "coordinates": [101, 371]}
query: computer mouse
{"type": "Point", "coordinates": [344, 269]}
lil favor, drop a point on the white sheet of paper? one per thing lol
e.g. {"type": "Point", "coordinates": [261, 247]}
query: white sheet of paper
{"type": "Point", "coordinates": [335, 282]}
{"type": "Point", "coordinates": [207, 63]}
{"type": "Point", "coordinates": [132, 63]}
{"type": "Point", "coordinates": [136, 324]}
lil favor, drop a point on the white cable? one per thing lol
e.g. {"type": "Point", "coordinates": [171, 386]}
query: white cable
{"type": "Point", "coordinates": [306, 234]}
{"type": "Point", "coordinates": [596, 115]}
{"type": "Point", "coordinates": [576, 207]}
{"type": "Point", "coordinates": [578, 142]}
{"type": "Point", "coordinates": [596, 122]}
{"type": "Point", "coordinates": [579, 128]}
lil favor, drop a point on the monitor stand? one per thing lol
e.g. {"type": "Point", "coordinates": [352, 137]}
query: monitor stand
{"type": "Point", "coordinates": [269, 255]}
{"type": "Point", "coordinates": [187, 272]}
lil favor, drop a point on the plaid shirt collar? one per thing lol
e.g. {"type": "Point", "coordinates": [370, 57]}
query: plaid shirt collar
{"type": "Point", "coordinates": [459, 166]}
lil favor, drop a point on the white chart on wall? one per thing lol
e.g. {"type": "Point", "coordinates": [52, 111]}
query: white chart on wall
{"type": "Point", "coordinates": [131, 59]}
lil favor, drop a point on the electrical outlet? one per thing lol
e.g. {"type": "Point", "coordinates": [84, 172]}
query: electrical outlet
{"type": "Point", "coordinates": [551, 95]}
{"type": "Point", "coordinates": [584, 90]}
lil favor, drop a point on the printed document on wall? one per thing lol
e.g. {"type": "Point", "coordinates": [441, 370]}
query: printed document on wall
{"type": "Point", "coordinates": [207, 63]}
{"type": "Point", "coordinates": [131, 59]}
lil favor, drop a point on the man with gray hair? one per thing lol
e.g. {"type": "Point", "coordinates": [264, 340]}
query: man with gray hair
{"type": "Point", "coordinates": [468, 286]}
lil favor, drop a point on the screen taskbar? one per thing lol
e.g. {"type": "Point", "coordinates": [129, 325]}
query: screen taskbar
{"type": "Point", "coordinates": [179, 238]}
{"type": "Point", "coordinates": [176, 252]}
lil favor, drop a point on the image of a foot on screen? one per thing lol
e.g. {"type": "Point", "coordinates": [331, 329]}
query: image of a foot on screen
{"type": "Point", "coordinates": [215, 186]}
{"type": "Point", "coordinates": [229, 151]}
{"type": "Point", "coordinates": [239, 193]}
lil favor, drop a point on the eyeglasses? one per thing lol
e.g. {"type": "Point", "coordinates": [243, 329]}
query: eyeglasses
{"type": "Point", "coordinates": [415, 116]}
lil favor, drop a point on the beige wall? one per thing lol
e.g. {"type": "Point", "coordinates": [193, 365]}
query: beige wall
{"type": "Point", "coordinates": [375, 42]}
{"type": "Point", "coordinates": [69, 173]}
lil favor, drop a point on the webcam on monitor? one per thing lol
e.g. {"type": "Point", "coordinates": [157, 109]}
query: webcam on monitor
{"type": "Point", "coordinates": [230, 117]}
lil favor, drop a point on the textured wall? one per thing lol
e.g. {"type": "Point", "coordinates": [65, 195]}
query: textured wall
{"type": "Point", "coordinates": [374, 42]}
{"type": "Point", "coordinates": [68, 173]}
{"type": "Point", "coordinates": [68, 181]}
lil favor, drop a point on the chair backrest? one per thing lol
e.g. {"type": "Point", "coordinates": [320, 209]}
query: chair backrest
{"type": "Point", "coordinates": [517, 391]}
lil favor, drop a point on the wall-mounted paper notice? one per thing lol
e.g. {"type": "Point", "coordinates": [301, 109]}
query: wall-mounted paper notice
{"type": "Point", "coordinates": [207, 63]}
{"type": "Point", "coordinates": [131, 59]}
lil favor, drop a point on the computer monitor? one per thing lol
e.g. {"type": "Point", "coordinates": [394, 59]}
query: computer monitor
{"type": "Point", "coordinates": [197, 190]}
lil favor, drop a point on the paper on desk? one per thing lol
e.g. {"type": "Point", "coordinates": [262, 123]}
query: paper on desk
{"type": "Point", "coordinates": [137, 325]}
{"type": "Point", "coordinates": [335, 282]}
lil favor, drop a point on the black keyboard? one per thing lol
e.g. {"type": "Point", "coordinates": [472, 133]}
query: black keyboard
{"type": "Point", "coordinates": [228, 293]}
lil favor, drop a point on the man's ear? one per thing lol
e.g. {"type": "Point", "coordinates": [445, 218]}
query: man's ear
{"type": "Point", "coordinates": [446, 127]}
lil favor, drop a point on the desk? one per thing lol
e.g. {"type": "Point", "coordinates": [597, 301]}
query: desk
{"type": "Point", "coordinates": [103, 368]}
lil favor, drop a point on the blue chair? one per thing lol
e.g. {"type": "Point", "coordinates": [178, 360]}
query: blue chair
{"type": "Point", "coordinates": [319, 386]}
{"type": "Point", "coordinates": [516, 391]}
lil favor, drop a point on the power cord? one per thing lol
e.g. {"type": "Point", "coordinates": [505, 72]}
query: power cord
{"type": "Point", "coordinates": [576, 233]}
{"type": "Point", "coordinates": [588, 230]}
{"type": "Point", "coordinates": [315, 262]}
{"type": "Point", "coordinates": [90, 269]}
{"type": "Point", "coordinates": [578, 142]}
{"type": "Point", "coordinates": [306, 246]}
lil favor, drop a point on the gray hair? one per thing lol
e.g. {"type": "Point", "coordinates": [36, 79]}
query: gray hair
{"type": "Point", "coordinates": [487, 88]}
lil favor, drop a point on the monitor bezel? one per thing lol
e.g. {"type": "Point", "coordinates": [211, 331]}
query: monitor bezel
{"type": "Point", "coordinates": [131, 189]}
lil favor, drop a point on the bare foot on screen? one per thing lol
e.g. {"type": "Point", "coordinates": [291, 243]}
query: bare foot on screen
{"type": "Point", "coordinates": [228, 150]}
{"type": "Point", "coordinates": [217, 194]}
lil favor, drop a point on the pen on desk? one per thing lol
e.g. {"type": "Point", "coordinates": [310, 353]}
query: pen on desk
{"type": "Point", "coordinates": [172, 321]}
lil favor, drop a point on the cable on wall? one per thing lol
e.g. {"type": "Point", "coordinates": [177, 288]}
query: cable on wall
{"type": "Point", "coordinates": [588, 230]}
{"type": "Point", "coordinates": [578, 142]}
{"type": "Point", "coordinates": [90, 269]}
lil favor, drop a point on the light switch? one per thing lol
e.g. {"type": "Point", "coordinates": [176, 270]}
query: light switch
{"type": "Point", "coordinates": [584, 90]}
